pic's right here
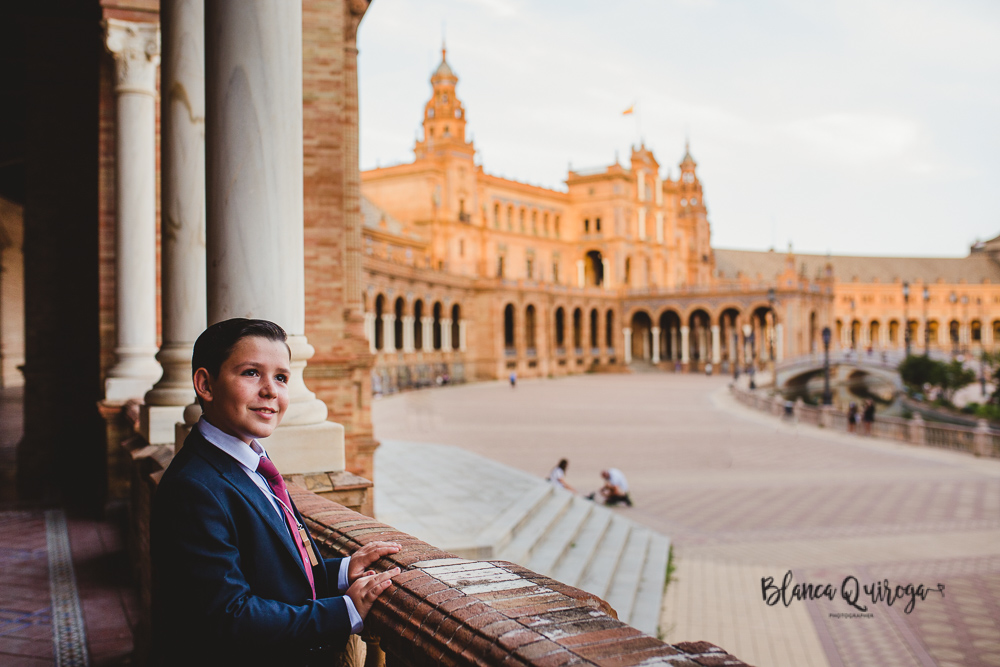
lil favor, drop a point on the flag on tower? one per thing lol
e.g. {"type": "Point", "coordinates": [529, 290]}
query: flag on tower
{"type": "Point", "coordinates": [629, 111]}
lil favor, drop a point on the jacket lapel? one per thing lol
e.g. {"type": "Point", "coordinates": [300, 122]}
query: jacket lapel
{"type": "Point", "coordinates": [231, 471]}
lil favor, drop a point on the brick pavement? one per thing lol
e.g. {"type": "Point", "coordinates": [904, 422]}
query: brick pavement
{"type": "Point", "coordinates": [745, 496]}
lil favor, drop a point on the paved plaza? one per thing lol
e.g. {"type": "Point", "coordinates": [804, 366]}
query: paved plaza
{"type": "Point", "coordinates": [744, 496]}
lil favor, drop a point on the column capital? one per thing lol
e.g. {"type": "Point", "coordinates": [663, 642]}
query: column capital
{"type": "Point", "coordinates": [136, 48]}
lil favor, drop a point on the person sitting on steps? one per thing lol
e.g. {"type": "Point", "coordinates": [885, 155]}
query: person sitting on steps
{"type": "Point", "coordinates": [615, 489]}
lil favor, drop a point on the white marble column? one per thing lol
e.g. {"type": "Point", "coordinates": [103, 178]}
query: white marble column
{"type": "Point", "coordinates": [685, 349]}
{"type": "Point", "coordinates": [581, 276]}
{"type": "Point", "coordinates": [136, 49]}
{"type": "Point", "coordinates": [182, 206]}
{"type": "Point", "coordinates": [462, 332]}
{"type": "Point", "coordinates": [254, 166]}
{"type": "Point", "coordinates": [716, 345]}
{"type": "Point", "coordinates": [627, 332]}
{"type": "Point", "coordinates": [779, 342]}
{"type": "Point", "coordinates": [656, 344]}
{"type": "Point", "coordinates": [407, 333]}
{"type": "Point", "coordinates": [389, 332]}
{"type": "Point", "coordinates": [427, 340]}
{"type": "Point", "coordinates": [446, 334]}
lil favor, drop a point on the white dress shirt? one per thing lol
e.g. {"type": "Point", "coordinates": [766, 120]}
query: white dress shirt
{"type": "Point", "coordinates": [248, 457]}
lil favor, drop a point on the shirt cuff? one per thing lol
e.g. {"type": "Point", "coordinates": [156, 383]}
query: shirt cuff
{"type": "Point", "coordinates": [356, 623]}
{"type": "Point", "coordinates": [342, 582]}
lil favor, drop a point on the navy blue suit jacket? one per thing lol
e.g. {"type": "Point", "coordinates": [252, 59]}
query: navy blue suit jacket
{"type": "Point", "coordinates": [229, 585]}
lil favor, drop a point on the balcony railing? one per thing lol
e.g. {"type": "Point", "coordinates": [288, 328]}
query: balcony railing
{"type": "Point", "coordinates": [444, 610]}
{"type": "Point", "coordinates": [980, 440]}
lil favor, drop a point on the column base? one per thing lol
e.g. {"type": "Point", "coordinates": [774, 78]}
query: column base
{"type": "Point", "coordinates": [157, 423]}
{"type": "Point", "coordinates": [122, 389]}
{"type": "Point", "coordinates": [307, 449]}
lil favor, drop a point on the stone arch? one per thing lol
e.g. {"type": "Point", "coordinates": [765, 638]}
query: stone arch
{"type": "Point", "coordinates": [731, 337]}
{"type": "Point", "coordinates": [593, 268]}
{"type": "Point", "coordinates": [397, 334]}
{"type": "Point", "coordinates": [699, 336]}
{"type": "Point", "coordinates": [456, 326]}
{"type": "Point", "coordinates": [641, 325]}
{"type": "Point", "coordinates": [508, 328]}
{"type": "Point", "coordinates": [437, 312]}
{"type": "Point", "coordinates": [976, 331]}
{"type": "Point", "coordinates": [894, 332]}
{"type": "Point", "coordinates": [578, 330]}
{"type": "Point", "coordinates": [595, 331]}
{"type": "Point", "coordinates": [379, 324]}
{"type": "Point", "coordinates": [874, 332]}
{"type": "Point", "coordinates": [559, 323]}
{"type": "Point", "coordinates": [418, 325]}
{"type": "Point", "coordinates": [530, 328]}
{"type": "Point", "coordinates": [669, 339]}
{"type": "Point", "coordinates": [934, 331]}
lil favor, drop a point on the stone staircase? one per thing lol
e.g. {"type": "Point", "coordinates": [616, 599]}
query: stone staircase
{"type": "Point", "coordinates": [532, 523]}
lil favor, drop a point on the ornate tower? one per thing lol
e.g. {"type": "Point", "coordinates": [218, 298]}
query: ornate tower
{"type": "Point", "coordinates": [444, 115]}
{"type": "Point", "coordinates": [693, 220]}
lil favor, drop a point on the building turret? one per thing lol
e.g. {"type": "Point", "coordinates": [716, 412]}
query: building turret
{"type": "Point", "coordinates": [444, 115]}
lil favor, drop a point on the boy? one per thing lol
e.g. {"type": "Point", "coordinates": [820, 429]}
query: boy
{"type": "Point", "coordinates": [236, 579]}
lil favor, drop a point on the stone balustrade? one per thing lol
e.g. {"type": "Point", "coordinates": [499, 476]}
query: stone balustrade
{"type": "Point", "coordinates": [980, 440]}
{"type": "Point", "coordinates": [445, 610]}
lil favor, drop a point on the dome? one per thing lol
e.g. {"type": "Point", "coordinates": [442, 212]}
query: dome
{"type": "Point", "coordinates": [444, 69]}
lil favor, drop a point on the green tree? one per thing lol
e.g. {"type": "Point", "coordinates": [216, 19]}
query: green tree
{"type": "Point", "coordinates": [950, 377]}
{"type": "Point", "coordinates": [916, 371]}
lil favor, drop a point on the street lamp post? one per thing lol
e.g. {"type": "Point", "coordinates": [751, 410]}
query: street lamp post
{"type": "Point", "coordinates": [927, 329]}
{"type": "Point", "coordinates": [906, 316]}
{"type": "Point", "coordinates": [774, 318]}
{"type": "Point", "coordinates": [827, 396]}
{"type": "Point", "coordinates": [953, 335]}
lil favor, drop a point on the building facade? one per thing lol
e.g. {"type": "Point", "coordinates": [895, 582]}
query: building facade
{"type": "Point", "coordinates": [472, 276]}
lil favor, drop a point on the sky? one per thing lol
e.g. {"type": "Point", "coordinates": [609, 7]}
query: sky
{"type": "Point", "coordinates": [865, 127]}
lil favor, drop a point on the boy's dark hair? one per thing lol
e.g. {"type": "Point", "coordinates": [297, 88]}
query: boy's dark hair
{"type": "Point", "coordinates": [216, 343]}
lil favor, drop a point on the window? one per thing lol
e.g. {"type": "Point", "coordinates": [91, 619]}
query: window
{"type": "Point", "coordinates": [534, 222]}
{"type": "Point", "coordinates": [597, 224]}
{"type": "Point", "coordinates": [430, 112]}
{"type": "Point", "coordinates": [510, 218]}
{"type": "Point", "coordinates": [557, 226]}
{"type": "Point", "coordinates": [521, 218]}
{"type": "Point", "coordinates": [545, 224]}
{"type": "Point", "coordinates": [530, 268]}
{"type": "Point", "coordinates": [555, 272]}
{"type": "Point", "coordinates": [458, 113]}
{"type": "Point", "coordinates": [461, 247]}
{"type": "Point", "coordinates": [447, 131]}
{"type": "Point", "coordinates": [496, 216]}
{"type": "Point", "coordinates": [444, 98]}
{"type": "Point", "coordinates": [586, 225]}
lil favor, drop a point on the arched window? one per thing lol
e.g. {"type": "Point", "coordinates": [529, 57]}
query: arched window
{"type": "Point", "coordinates": [437, 325]}
{"type": "Point", "coordinates": [508, 328]}
{"type": "Point", "coordinates": [418, 325]}
{"type": "Point", "coordinates": [595, 340]}
{"type": "Point", "coordinates": [379, 325]}
{"type": "Point", "coordinates": [578, 330]}
{"type": "Point", "coordinates": [977, 331]}
{"type": "Point", "coordinates": [529, 329]}
{"type": "Point", "coordinates": [560, 327]}
{"type": "Point", "coordinates": [456, 329]}
{"type": "Point", "coordinates": [609, 329]}
{"type": "Point", "coordinates": [398, 324]}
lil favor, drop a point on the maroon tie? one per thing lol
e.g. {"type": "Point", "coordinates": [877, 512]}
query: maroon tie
{"type": "Point", "coordinates": [277, 484]}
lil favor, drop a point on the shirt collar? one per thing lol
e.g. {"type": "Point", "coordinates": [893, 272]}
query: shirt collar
{"type": "Point", "coordinates": [247, 456]}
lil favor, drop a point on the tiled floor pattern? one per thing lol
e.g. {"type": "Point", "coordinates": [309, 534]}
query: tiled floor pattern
{"type": "Point", "coordinates": [743, 496]}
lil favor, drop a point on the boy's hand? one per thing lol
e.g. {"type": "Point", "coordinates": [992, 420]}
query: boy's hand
{"type": "Point", "coordinates": [368, 587]}
{"type": "Point", "coordinates": [362, 559]}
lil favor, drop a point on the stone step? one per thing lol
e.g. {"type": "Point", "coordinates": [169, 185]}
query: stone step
{"type": "Point", "coordinates": [649, 598]}
{"type": "Point", "coordinates": [626, 576]}
{"type": "Point", "coordinates": [553, 546]}
{"type": "Point", "coordinates": [501, 530]}
{"type": "Point", "coordinates": [539, 523]}
{"type": "Point", "coordinates": [601, 569]}
{"type": "Point", "coordinates": [577, 556]}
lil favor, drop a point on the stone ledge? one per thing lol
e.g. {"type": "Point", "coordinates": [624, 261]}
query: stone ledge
{"type": "Point", "coordinates": [445, 610]}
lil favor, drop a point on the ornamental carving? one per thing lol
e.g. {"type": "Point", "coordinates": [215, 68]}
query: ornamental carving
{"type": "Point", "coordinates": [136, 48]}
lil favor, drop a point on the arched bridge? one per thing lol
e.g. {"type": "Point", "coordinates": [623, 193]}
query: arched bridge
{"type": "Point", "coordinates": [844, 367]}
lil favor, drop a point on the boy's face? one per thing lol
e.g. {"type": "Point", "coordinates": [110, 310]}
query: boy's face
{"type": "Point", "coordinates": [250, 396]}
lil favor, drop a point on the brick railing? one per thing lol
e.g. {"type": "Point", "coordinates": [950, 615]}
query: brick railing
{"type": "Point", "coordinates": [980, 440]}
{"type": "Point", "coordinates": [444, 610]}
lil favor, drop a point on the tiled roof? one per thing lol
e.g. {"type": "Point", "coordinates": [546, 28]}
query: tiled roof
{"type": "Point", "coordinates": [974, 268]}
